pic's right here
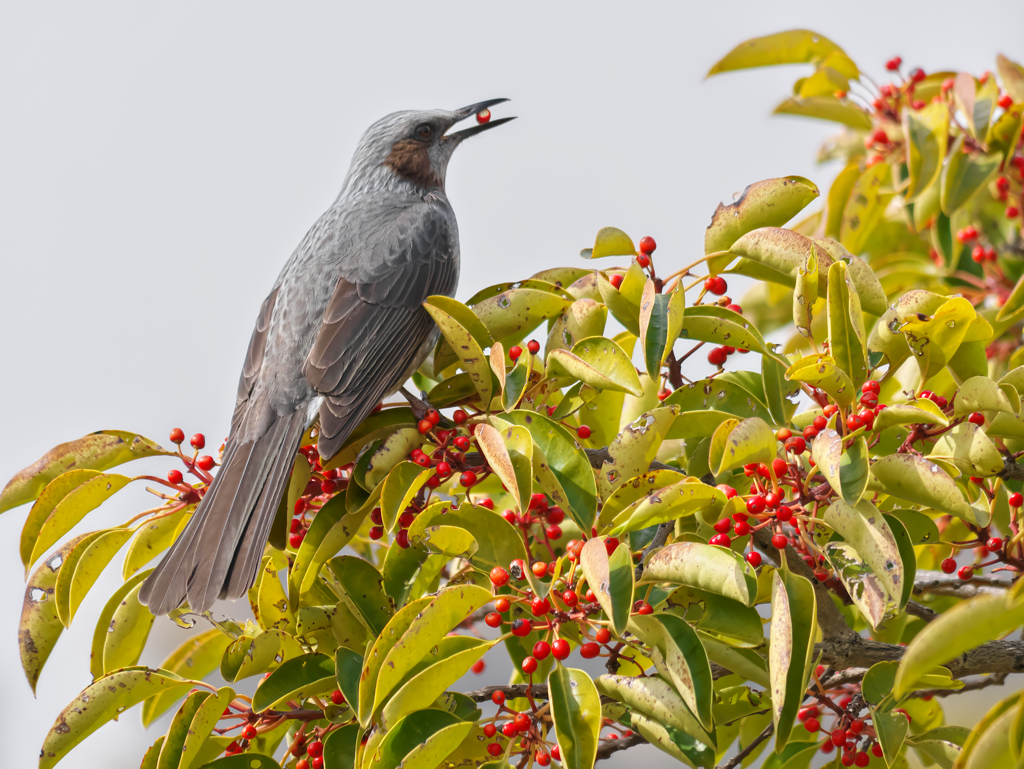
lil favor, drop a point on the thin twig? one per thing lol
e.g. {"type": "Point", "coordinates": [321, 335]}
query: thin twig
{"type": "Point", "coordinates": [738, 758]}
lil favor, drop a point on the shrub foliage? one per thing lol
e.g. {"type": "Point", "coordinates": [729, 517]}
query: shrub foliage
{"type": "Point", "coordinates": [809, 548]}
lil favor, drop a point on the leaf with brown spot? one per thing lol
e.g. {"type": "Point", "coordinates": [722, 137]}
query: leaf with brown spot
{"type": "Point", "coordinates": [98, 451]}
{"type": "Point", "coordinates": [790, 653]}
{"type": "Point", "coordinates": [767, 203]}
{"type": "Point", "coordinates": [40, 627]}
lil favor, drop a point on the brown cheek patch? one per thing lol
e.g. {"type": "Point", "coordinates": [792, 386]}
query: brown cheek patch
{"type": "Point", "coordinates": [409, 159]}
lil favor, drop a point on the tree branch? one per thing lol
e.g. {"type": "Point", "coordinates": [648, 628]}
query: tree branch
{"type": "Point", "coordinates": [609, 747]}
{"type": "Point", "coordinates": [738, 758]}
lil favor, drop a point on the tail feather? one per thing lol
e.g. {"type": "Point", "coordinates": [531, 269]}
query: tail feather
{"type": "Point", "coordinates": [230, 526]}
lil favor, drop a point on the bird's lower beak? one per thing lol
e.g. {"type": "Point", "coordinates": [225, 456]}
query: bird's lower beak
{"type": "Point", "coordinates": [473, 109]}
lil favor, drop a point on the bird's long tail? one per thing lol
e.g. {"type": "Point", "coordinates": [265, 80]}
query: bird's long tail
{"type": "Point", "coordinates": [220, 550]}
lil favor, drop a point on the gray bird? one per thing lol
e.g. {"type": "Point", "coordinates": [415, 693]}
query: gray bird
{"type": "Point", "coordinates": [342, 329]}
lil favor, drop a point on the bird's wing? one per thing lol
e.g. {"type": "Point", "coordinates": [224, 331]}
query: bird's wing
{"type": "Point", "coordinates": [253, 359]}
{"type": "Point", "coordinates": [375, 327]}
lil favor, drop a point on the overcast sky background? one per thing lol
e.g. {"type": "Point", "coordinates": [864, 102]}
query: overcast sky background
{"type": "Point", "coordinates": [160, 162]}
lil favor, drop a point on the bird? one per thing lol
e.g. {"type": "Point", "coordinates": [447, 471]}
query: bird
{"type": "Point", "coordinates": [342, 328]}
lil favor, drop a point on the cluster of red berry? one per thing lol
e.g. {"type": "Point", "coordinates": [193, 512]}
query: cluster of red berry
{"type": "Point", "coordinates": [855, 737]}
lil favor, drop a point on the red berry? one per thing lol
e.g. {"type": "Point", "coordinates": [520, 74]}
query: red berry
{"type": "Point", "coordinates": [443, 469]}
{"type": "Point", "coordinates": [493, 619]}
{"type": "Point", "coordinates": [541, 650]}
{"type": "Point", "coordinates": [1005, 101]}
{"type": "Point", "coordinates": [337, 697]}
{"type": "Point", "coordinates": [495, 749]}
{"type": "Point", "coordinates": [589, 650]}
{"type": "Point", "coordinates": [539, 569]}
{"type": "Point", "coordinates": [742, 528]}
{"type": "Point", "coordinates": [249, 732]}
{"type": "Point", "coordinates": [509, 729]}
{"type": "Point", "coordinates": [540, 606]}
{"type": "Point", "coordinates": [177, 436]}
{"type": "Point", "coordinates": [533, 346]}
{"type": "Point", "coordinates": [810, 432]}
{"type": "Point", "coordinates": [779, 541]}
{"type": "Point", "coordinates": [839, 737]}
{"type": "Point", "coordinates": [175, 476]}
{"type": "Point", "coordinates": [995, 544]}
{"type": "Point", "coordinates": [965, 572]}
{"type": "Point", "coordinates": [716, 285]}
{"type": "Point", "coordinates": [862, 759]}
{"type": "Point", "coordinates": [521, 627]}
{"type": "Point", "coordinates": [643, 260]}
{"type": "Point", "coordinates": [796, 445]}
{"type": "Point", "coordinates": [402, 539]}
{"type": "Point", "coordinates": [871, 386]}
{"type": "Point", "coordinates": [857, 726]}
{"type": "Point", "coordinates": [560, 649]}
{"type": "Point", "coordinates": [820, 423]}
{"type": "Point", "coordinates": [616, 281]}
{"type": "Point", "coordinates": [978, 254]}
{"type": "Point", "coordinates": [553, 532]}
{"type": "Point", "coordinates": [729, 491]}
{"type": "Point", "coordinates": [529, 666]}
{"type": "Point", "coordinates": [376, 532]}
{"type": "Point", "coordinates": [570, 599]}
{"type": "Point", "coordinates": [483, 116]}
{"type": "Point", "coordinates": [1016, 499]}
{"type": "Point", "coordinates": [498, 698]}
{"type": "Point", "coordinates": [405, 520]}
{"type": "Point", "coordinates": [498, 576]}
{"type": "Point", "coordinates": [893, 64]}
{"type": "Point", "coordinates": [917, 75]}
{"type": "Point", "coordinates": [647, 245]}
{"type": "Point", "coordinates": [876, 750]}
{"type": "Point", "coordinates": [198, 441]}
{"type": "Point", "coordinates": [433, 416]}
{"type": "Point", "coordinates": [722, 540]}
{"type": "Point", "coordinates": [542, 758]}
{"type": "Point", "coordinates": [611, 544]}
{"type": "Point", "coordinates": [723, 526]}
{"type": "Point", "coordinates": [315, 748]}
{"type": "Point", "coordinates": [424, 426]}
{"type": "Point", "coordinates": [948, 565]}
{"type": "Point", "coordinates": [478, 667]}
{"type": "Point", "coordinates": [502, 604]}
{"type": "Point", "coordinates": [515, 352]}
{"type": "Point", "coordinates": [717, 356]}
{"type": "Point", "coordinates": [490, 730]}
{"type": "Point", "coordinates": [646, 608]}
{"type": "Point", "coordinates": [1012, 212]}
{"type": "Point", "coordinates": [756, 505]}
{"type": "Point", "coordinates": [812, 725]}
{"type": "Point", "coordinates": [468, 479]}
{"type": "Point", "coordinates": [556, 753]}
{"type": "Point", "coordinates": [583, 432]}
{"type": "Point", "coordinates": [783, 434]}
{"type": "Point", "coordinates": [205, 462]}
{"type": "Point", "coordinates": [603, 635]}
{"type": "Point", "coordinates": [754, 559]}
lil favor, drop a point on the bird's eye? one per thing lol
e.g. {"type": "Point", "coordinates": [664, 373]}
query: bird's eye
{"type": "Point", "coordinates": [424, 131]}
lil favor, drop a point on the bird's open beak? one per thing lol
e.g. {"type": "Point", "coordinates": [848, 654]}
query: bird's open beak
{"type": "Point", "coordinates": [473, 109]}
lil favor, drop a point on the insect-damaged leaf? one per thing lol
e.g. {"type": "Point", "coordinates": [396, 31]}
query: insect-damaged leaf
{"type": "Point", "coordinates": [790, 655]}
{"type": "Point", "coordinates": [768, 203]}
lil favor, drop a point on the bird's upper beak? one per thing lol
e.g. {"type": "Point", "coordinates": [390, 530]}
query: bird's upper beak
{"type": "Point", "coordinates": [472, 109]}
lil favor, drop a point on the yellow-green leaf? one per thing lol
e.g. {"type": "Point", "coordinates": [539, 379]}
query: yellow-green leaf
{"type": "Point", "coordinates": [921, 481]}
{"type": "Point", "coordinates": [822, 372]}
{"type": "Point", "coordinates": [714, 569]}
{"type": "Point", "coordinates": [768, 203]}
{"type": "Point", "coordinates": [791, 47]}
{"type": "Point", "coordinates": [751, 441]}
{"type": "Point", "coordinates": [964, 175]}
{"type": "Point", "coordinates": [611, 579]}
{"type": "Point", "coordinates": [790, 654]}
{"type": "Point", "coordinates": [598, 362]}
{"type": "Point", "coordinates": [576, 712]}
{"type": "Point", "coordinates": [846, 334]}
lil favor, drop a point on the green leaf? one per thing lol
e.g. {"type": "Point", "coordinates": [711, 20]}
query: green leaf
{"type": "Point", "coordinates": [296, 679]}
{"type": "Point", "coordinates": [941, 745]}
{"type": "Point", "coordinates": [101, 702]}
{"type": "Point", "coordinates": [40, 627]}
{"type": "Point", "coordinates": [635, 447]}
{"type": "Point", "coordinates": [926, 133]}
{"type": "Point", "coordinates": [447, 313]}
{"type": "Point", "coordinates": [795, 46]}
{"type": "Point", "coordinates": [768, 203]}
{"type": "Point", "coordinates": [719, 325]}
{"type": "Point", "coordinates": [859, 274]}
{"type": "Point", "coordinates": [611, 579]}
{"type": "Point", "coordinates": [969, 449]}
{"type": "Point", "coordinates": [421, 740]}
{"type": "Point", "coordinates": [790, 654]}
{"type": "Point", "coordinates": [444, 612]}
{"type": "Point", "coordinates": [805, 293]}
{"type": "Point", "coordinates": [127, 632]}
{"type": "Point", "coordinates": [515, 312]}
{"type": "Point", "coordinates": [248, 656]}
{"type": "Point", "coordinates": [243, 761]}
{"type": "Point", "coordinates": [598, 362]}
{"type": "Point", "coordinates": [891, 730]}
{"type": "Point", "coordinates": [455, 656]}
{"type": "Point", "coordinates": [980, 394]}
{"type": "Point", "coordinates": [610, 241]}
{"type": "Point", "coordinates": [661, 320]}
{"type": "Point", "coordinates": [863, 211]}
{"type": "Point", "coordinates": [340, 747]}
{"type": "Point", "coordinates": [822, 372]}
{"type": "Point", "coordinates": [921, 481]}
{"type": "Point", "coordinates": [846, 334]}
{"type": "Point", "coordinates": [363, 591]}
{"type": "Point", "coordinates": [917, 413]}
{"type": "Point", "coordinates": [714, 569]}
{"type": "Point", "coordinates": [1012, 75]}
{"type": "Point", "coordinates": [655, 698]}
{"type": "Point", "coordinates": [782, 250]}
{"type": "Point", "coordinates": [400, 488]}
{"type": "Point", "coordinates": [751, 441]}
{"type": "Point", "coordinates": [197, 657]}
{"type": "Point", "coordinates": [152, 538]}
{"type": "Point", "coordinates": [827, 108]}
{"type": "Point", "coordinates": [509, 453]}
{"type": "Point", "coordinates": [624, 302]}
{"type": "Point", "coordinates": [566, 475]}
{"type": "Point", "coordinates": [678, 744]}
{"type": "Point", "coordinates": [191, 726]}
{"type": "Point", "coordinates": [62, 589]}
{"type": "Point", "coordinates": [98, 451]}
{"type": "Point", "coordinates": [846, 471]}
{"type": "Point", "coordinates": [964, 176]}
{"type": "Point", "coordinates": [61, 505]}
{"type": "Point", "coordinates": [374, 427]}
{"type": "Point", "coordinates": [583, 318]}
{"type": "Point", "coordinates": [869, 561]}
{"type": "Point", "coordinates": [576, 712]}
{"type": "Point", "coordinates": [666, 504]}
{"type": "Point", "coordinates": [87, 566]}
{"type": "Point", "coordinates": [679, 656]}
{"type": "Point", "coordinates": [962, 627]}
{"type": "Point", "coordinates": [726, 620]}
{"type": "Point", "coordinates": [905, 545]}
{"type": "Point", "coordinates": [274, 611]}
{"type": "Point", "coordinates": [718, 394]}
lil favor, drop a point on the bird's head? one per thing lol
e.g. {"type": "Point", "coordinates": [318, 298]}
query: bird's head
{"type": "Point", "coordinates": [415, 146]}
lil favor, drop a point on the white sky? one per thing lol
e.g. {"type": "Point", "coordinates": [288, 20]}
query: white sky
{"type": "Point", "coordinates": [161, 162]}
